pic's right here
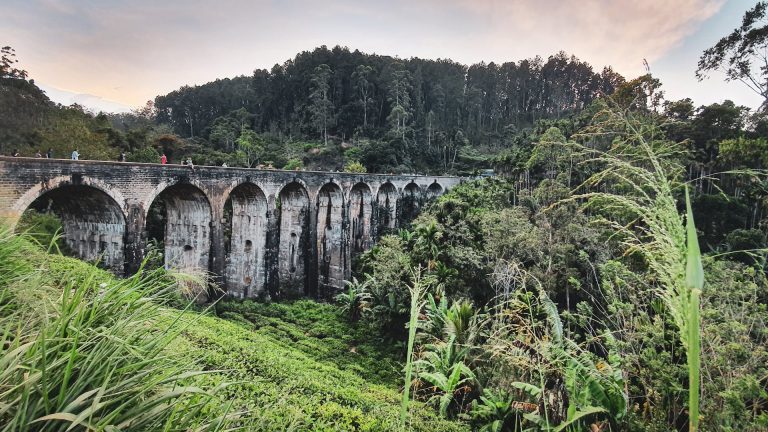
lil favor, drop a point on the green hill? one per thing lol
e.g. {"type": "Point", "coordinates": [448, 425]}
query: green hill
{"type": "Point", "coordinates": [75, 339]}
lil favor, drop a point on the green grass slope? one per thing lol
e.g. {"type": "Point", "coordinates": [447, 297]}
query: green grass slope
{"type": "Point", "coordinates": [297, 366]}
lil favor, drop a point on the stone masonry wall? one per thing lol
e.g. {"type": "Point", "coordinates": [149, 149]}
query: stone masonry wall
{"type": "Point", "coordinates": [289, 233]}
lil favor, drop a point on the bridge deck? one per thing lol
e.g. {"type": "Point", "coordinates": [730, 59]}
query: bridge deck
{"type": "Point", "coordinates": [258, 230]}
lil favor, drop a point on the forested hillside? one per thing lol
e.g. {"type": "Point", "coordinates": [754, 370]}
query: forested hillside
{"type": "Point", "coordinates": [336, 109]}
{"type": "Point", "coordinates": [611, 276]}
{"type": "Point", "coordinates": [365, 93]}
{"type": "Point", "coordinates": [390, 114]}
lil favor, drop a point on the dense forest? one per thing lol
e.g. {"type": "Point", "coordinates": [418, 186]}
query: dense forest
{"type": "Point", "coordinates": [612, 275]}
{"type": "Point", "coordinates": [387, 113]}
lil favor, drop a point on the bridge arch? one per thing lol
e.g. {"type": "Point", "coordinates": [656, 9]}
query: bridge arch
{"type": "Point", "coordinates": [26, 199]}
{"type": "Point", "coordinates": [245, 237]}
{"type": "Point", "coordinates": [434, 190]}
{"type": "Point", "coordinates": [294, 245]}
{"type": "Point", "coordinates": [179, 216]}
{"type": "Point", "coordinates": [360, 218]}
{"type": "Point", "coordinates": [386, 207]}
{"type": "Point", "coordinates": [410, 202]}
{"type": "Point", "coordinates": [93, 221]}
{"type": "Point", "coordinates": [330, 239]}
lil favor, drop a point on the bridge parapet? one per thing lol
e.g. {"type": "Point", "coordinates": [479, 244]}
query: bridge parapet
{"type": "Point", "coordinates": [260, 231]}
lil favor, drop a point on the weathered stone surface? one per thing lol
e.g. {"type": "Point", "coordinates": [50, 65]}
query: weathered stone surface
{"type": "Point", "coordinates": [187, 236]}
{"type": "Point", "coordinates": [361, 216]}
{"type": "Point", "coordinates": [386, 207]}
{"type": "Point", "coordinates": [259, 232]}
{"type": "Point", "coordinates": [294, 241]}
{"type": "Point", "coordinates": [410, 203]}
{"type": "Point", "coordinates": [94, 224]}
{"type": "Point", "coordinates": [245, 264]}
{"type": "Point", "coordinates": [331, 245]}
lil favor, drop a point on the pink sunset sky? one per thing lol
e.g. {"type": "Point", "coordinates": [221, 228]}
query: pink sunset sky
{"type": "Point", "coordinates": [115, 55]}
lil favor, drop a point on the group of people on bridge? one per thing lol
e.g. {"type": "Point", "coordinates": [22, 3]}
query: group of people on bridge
{"type": "Point", "coordinates": [40, 154]}
{"type": "Point", "coordinates": [75, 155]}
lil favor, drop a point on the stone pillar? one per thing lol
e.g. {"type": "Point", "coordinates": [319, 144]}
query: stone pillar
{"type": "Point", "coordinates": [272, 249]}
{"type": "Point", "coordinates": [313, 273]}
{"type": "Point", "coordinates": [346, 240]}
{"type": "Point", "coordinates": [135, 238]}
{"type": "Point", "coordinates": [217, 262]}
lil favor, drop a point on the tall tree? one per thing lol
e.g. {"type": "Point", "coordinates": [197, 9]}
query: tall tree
{"type": "Point", "coordinates": [321, 108]}
{"type": "Point", "coordinates": [8, 62]}
{"type": "Point", "coordinates": [400, 100]}
{"type": "Point", "coordinates": [364, 88]}
{"type": "Point", "coordinates": [249, 147]}
{"type": "Point", "coordinates": [743, 54]}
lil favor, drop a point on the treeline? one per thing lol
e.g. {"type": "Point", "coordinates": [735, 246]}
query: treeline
{"type": "Point", "coordinates": [336, 109]}
{"type": "Point", "coordinates": [426, 109]}
{"type": "Point", "coordinates": [364, 94]}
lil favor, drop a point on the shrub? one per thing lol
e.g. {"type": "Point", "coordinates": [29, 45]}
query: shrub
{"type": "Point", "coordinates": [147, 155]}
{"type": "Point", "coordinates": [355, 167]}
{"type": "Point", "coordinates": [294, 164]}
{"type": "Point", "coordinates": [94, 356]}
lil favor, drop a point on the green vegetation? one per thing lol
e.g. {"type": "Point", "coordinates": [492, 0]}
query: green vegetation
{"type": "Point", "coordinates": [573, 292]}
{"type": "Point", "coordinates": [81, 347]}
{"type": "Point", "coordinates": [582, 307]}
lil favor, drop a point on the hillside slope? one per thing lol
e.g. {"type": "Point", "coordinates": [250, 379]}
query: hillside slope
{"type": "Point", "coordinates": [271, 367]}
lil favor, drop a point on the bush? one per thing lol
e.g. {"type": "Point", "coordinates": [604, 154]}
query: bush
{"type": "Point", "coordinates": [294, 164]}
{"type": "Point", "coordinates": [95, 355]}
{"type": "Point", "coordinates": [146, 155]}
{"type": "Point", "coordinates": [355, 167]}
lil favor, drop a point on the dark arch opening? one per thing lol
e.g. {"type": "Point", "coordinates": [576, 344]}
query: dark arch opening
{"type": "Point", "coordinates": [93, 225]}
{"type": "Point", "coordinates": [330, 244]}
{"type": "Point", "coordinates": [294, 244]}
{"type": "Point", "coordinates": [410, 203]}
{"type": "Point", "coordinates": [434, 190]}
{"type": "Point", "coordinates": [360, 212]}
{"type": "Point", "coordinates": [245, 236]}
{"type": "Point", "coordinates": [386, 208]}
{"type": "Point", "coordinates": [179, 223]}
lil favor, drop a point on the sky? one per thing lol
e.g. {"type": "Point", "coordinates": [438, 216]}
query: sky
{"type": "Point", "coordinates": [115, 55]}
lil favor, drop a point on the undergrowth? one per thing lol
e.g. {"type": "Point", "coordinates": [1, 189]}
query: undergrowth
{"type": "Point", "coordinates": [80, 347]}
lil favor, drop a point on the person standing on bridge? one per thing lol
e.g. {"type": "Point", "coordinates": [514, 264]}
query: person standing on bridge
{"type": "Point", "coordinates": [121, 158]}
{"type": "Point", "coordinates": [75, 155]}
{"type": "Point", "coordinates": [163, 159]}
{"type": "Point", "coordinates": [49, 154]}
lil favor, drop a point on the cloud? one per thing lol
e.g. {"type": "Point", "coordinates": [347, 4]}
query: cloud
{"type": "Point", "coordinates": [132, 51]}
{"type": "Point", "coordinates": [89, 101]}
{"type": "Point", "coordinates": [620, 33]}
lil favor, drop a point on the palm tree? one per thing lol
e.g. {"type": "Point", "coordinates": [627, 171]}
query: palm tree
{"type": "Point", "coordinates": [356, 300]}
{"type": "Point", "coordinates": [442, 366]}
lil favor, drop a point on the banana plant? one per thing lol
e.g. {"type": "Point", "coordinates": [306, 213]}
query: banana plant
{"type": "Point", "coordinates": [355, 301]}
{"type": "Point", "coordinates": [495, 411]}
{"type": "Point", "coordinates": [443, 367]}
{"type": "Point", "coordinates": [448, 386]}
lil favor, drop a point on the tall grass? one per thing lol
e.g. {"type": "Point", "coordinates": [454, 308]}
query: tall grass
{"type": "Point", "coordinates": [635, 187]}
{"type": "Point", "coordinates": [82, 350]}
{"type": "Point", "coordinates": [418, 287]}
{"type": "Point", "coordinates": [694, 281]}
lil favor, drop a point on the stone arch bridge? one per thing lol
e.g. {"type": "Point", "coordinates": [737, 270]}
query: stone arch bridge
{"type": "Point", "coordinates": [285, 233]}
